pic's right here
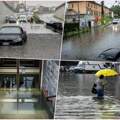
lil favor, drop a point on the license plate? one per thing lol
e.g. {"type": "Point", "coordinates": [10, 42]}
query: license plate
{"type": "Point", "coordinates": [6, 43]}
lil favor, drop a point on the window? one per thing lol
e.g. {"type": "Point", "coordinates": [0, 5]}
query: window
{"type": "Point", "coordinates": [88, 4]}
{"type": "Point", "coordinates": [8, 30]}
{"type": "Point", "coordinates": [72, 5]}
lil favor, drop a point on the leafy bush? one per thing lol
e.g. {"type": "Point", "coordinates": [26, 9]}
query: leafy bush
{"type": "Point", "coordinates": [105, 20]}
{"type": "Point", "coordinates": [72, 26]}
{"type": "Point", "coordinates": [36, 19]}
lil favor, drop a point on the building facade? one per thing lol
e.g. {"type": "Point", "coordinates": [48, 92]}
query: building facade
{"type": "Point", "coordinates": [88, 8]}
{"type": "Point", "coordinates": [89, 13]}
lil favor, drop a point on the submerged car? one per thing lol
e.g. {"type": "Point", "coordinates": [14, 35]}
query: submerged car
{"type": "Point", "coordinates": [112, 54]}
{"type": "Point", "coordinates": [12, 35]}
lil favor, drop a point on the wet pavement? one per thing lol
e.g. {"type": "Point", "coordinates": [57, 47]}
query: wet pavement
{"type": "Point", "coordinates": [75, 100]}
{"type": "Point", "coordinates": [42, 43]}
{"type": "Point", "coordinates": [38, 46]}
{"type": "Point", "coordinates": [33, 28]}
{"type": "Point", "coordinates": [89, 44]}
{"type": "Point", "coordinates": [49, 18]}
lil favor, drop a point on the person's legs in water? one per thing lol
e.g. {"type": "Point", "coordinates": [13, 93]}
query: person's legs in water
{"type": "Point", "coordinates": [100, 93]}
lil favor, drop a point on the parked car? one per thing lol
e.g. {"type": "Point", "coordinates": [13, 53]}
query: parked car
{"type": "Point", "coordinates": [88, 67]}
{"type": "Point", "coordinates": [115, 21]}
{"type": "Point", "coordinates": [12, 19]}
{"type": "Point", "coordinates": [72, 68]}
{"type": "Point", "coordinates": [12, 35]}
{"type": "Point", "coordinates": [55, 26]}
{"type": "Point", "coordinates": [22, 18]}
{"type": "Point", "coordinates": [112, 54]}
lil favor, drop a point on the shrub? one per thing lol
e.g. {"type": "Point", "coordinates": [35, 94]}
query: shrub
{"type": "Point", "coordinates": [72, 26]}
{"type": "Point", "coordinates": [36, 19]}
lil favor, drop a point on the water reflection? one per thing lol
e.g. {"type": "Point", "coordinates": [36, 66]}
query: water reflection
{"type": "Point", "coordinates": [83, 46]}
{"type": "Point", "coordinates": [76, 101]}
{"type": "Point", "coordinates": [25, 103]}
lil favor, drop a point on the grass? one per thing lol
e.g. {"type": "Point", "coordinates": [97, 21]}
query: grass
{"type": "Point", "coordinates": [105, 20]}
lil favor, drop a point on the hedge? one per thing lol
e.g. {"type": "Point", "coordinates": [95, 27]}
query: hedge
{"type": "Point", "coordinates": [72, 26]}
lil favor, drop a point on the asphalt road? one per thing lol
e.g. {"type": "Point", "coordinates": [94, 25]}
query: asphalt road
{"type": "Point", "coordinates": [33, 28]}
{"type": "Point", "coordinates": [48, 18]}
{"type": "Point", "coordinates": [89, 45]}
{"type": "Point", "coordinates": [38, 46]}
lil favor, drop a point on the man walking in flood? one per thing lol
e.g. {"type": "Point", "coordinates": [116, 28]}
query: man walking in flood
{"type": "Point", "coordinates": [100, 84]}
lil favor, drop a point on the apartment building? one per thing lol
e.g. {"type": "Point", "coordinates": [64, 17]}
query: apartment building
{"type": "Point", "coordinates": [88, 8]}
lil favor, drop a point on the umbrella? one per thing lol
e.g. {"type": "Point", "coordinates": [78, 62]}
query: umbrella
{"type": "Point", "coordinates": [106, 72]}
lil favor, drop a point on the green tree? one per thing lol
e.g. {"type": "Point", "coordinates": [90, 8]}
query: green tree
{"type": "Point", "coordinates": [116, 10]}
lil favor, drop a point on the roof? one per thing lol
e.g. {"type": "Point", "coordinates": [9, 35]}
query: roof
{"type": "Point", "coordinates": [60, 6]}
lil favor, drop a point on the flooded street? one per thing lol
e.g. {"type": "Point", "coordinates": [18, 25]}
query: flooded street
{"type": "Point", "coordinates": [93, 43]}
{"type": "Point", "coordinates": [76, 101]}
{"type": "Point", "coordinates": [41, 43]}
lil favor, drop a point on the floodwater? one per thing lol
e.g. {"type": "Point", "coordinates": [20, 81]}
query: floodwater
{"type": "Point", "coordinates": [75, 100]}
{"type": "Point", "coordinates": [83, 46]}
{"type": "Point", "coordinates": [25, 103]}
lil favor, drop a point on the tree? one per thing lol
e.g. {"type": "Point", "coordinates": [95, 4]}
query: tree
{"type": "Point", "coordinates": [116, 10]}
{"type": "Point", "coordinates": [102, 9]}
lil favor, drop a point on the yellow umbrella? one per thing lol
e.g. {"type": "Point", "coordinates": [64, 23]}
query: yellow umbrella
{"type": "Point", "coordinates": [106, 72]}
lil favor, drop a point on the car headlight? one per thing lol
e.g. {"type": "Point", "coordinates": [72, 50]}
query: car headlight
{"type": "Point", "coordinates": [18, 40]}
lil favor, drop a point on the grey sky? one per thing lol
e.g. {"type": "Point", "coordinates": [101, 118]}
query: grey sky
{"type": "Point", "coordinates": [108, 3]}
{"type": "Point", "coordinates": [44, 3]}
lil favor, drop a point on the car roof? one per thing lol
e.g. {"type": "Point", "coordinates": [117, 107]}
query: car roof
{"type": "Point", "coordinates": [111, 52]}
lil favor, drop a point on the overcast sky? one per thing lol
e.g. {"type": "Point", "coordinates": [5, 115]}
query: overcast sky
{"type": "Point", "coordinates": [50, 3]}
{"type": "Point", "coordinates": [108, 3]}
{"type": "Point", "coordinates": [44, 3]}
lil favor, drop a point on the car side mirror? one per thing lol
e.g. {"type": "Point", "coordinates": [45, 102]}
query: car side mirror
{"type": "Point", "coordinates": [24, 32]}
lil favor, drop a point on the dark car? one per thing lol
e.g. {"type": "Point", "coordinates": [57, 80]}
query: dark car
{"type": "Point", "coordinates": [112, 54]}
{"type": "Point", "coordinates": [12, 19]}
{"type": "Point", "coordinates": [55, 26]}
{"type": "Point", "coordinates": [12, 35]}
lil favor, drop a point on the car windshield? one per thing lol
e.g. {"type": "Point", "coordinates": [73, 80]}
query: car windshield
{"type": "Point", "coordinates": [10, 30]}
{"type": "Point", "coordinates": [22, 17]}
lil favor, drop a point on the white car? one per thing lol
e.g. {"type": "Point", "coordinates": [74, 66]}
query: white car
{"type": "Point", "coordinates": [115, 21]}
{"type": "Point", "coordinates": [22, 18]}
